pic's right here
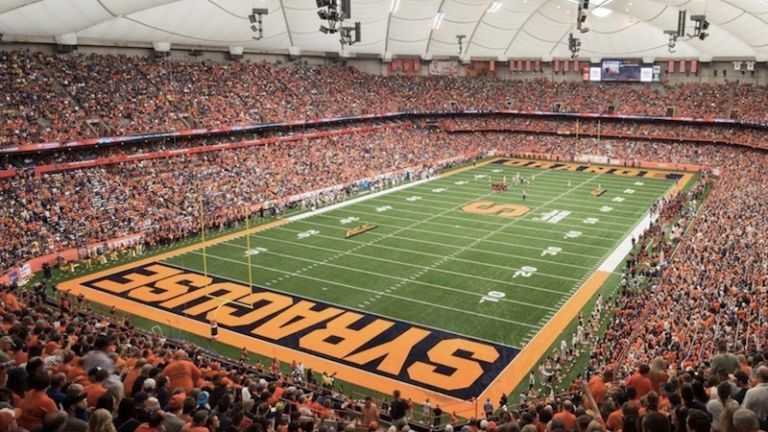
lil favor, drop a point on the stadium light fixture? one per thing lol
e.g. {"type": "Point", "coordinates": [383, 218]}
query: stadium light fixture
{"type": "Point", "coordinates": [495, 6]}
{"type": "Point", "coordinates": [438, 21]}
{"type": "Point", "coordinates": [256, 22]}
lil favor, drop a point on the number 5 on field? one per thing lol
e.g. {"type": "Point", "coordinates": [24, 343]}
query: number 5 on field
{"type": "Point", "coordinates": [525, 271]}
{"type": "Point", "coordinates": [493, 296]}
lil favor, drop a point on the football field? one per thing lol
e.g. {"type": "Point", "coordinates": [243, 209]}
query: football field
{"type": "Point", "coordinates": [430, 261]}
{"type": "Point", "coordinates": [441, 285]}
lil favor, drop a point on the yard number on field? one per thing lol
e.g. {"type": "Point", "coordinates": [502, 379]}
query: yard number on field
{"type": "Point", "coordinates": [306, 234]}
{"type": "Point", "coordinates": [525, 271]}
{"type": "Point", "coordinates": [618, 199]}
{"type": "Point", "coordinates": [382, 209]}
{"type": "Point", "coordinates": [573, 234]}
{"type": "Point", "coordinates": [439, 190]}
{"type": "Point", "coordinates": [492, 296]}
{"type": "Point", "coordinates": [350, 219]}
{"type": "Point", "coordinates": [461, 182]}
{"type": "Point", "coordinates": [413, 198]}
{"type": "Point", "coordinates": [605, 209]}
{"type": "Point", "coordinates": [552, 250]}
{"type": "Point", "coordinates": [629, 191]}
{"type": "Point", "coordinates": [255, 251]}
{"type": "Point", "coordinates": [591, 220]}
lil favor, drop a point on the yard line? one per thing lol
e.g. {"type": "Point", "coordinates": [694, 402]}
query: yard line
{"type": "Point", "coordinates": [481, 220]}
{"type": "Point", "coordinates": [496, 281]}
{"type": "Point", "coordinates": [530, 200]}
{"type": "Point", "coordinates": [439, 233]}
{"type": "Point", "coordinates": [427, 254]}
{"type": "Point", "coordinates": [370, 291]}
{"type": "Point", "coordinates": [374, 233]}
{"type": "Point", "coordinates": [634, 208]}
{"type": "Point", "coordinates": [284, 228]}
{"type": "Point", "coordinates": [490, 220]}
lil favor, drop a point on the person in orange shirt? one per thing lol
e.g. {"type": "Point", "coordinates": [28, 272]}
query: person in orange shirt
{"type": "Point", "coordinates": [36, 404]}
{"type": "Point", "coordinates": [640, 381]}
{"type": "Point", "coordinates": [182, 372]}
{"type": "Point", "coordinates": [567, 416]}
{"type": "Point", "coordinates": [597, 386]}
{"type": "Point", "coordinates": [132, 375]}
{"type": "Point", "coordinates": [77, 372]}
{"type": "Point", "coordinates": [96, 388]}
{"type": "Point", "coordinates": [11, 302]}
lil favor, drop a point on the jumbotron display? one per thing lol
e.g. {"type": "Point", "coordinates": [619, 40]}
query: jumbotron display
{"type": "Point", "coordinates": [627, 70]}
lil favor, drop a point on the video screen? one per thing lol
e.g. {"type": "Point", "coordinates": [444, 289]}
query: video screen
{"type": "Point", "coordinates": [621, 70]}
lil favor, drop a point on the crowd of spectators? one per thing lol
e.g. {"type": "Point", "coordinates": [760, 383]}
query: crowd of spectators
{"type": "Point", "coordinates": [61, 97]}
{"type": "Point", "coordinates": [161, 197]}
{"type": "Point", "coordinates": [686, 343]}
{"type": "Point", "coordinates": [651, 130]}
{"type": "Point", "coordinates": [651, 370]}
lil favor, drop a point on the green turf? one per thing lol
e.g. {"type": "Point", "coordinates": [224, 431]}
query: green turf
{"type": "Point", "coordinates": [430, 263]}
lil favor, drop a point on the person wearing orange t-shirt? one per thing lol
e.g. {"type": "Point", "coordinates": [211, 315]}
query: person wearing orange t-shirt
{"type": "Point", "coordinates": [640, 381]}
{"type": "Point", "coordinates": [96, 388]}
{"type": "Point", "coordinates": [597, 386]}
{"type": "Point", "coordinates": [11, 302]}
{"type": "Point", "coordinates": [182, 372]}
{"type": "Point", "coordinates": [567, 416]}
{"type": "Point", "coordinates": [36, 404]}
{"type": "Point", "coordinates": [132, 375]}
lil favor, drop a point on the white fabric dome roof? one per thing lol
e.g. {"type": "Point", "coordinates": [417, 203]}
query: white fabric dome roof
{"type": "Point", "coordinates": [518, 29]}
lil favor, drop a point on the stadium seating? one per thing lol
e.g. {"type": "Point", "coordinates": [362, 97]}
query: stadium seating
{"type": "Point", "coordinates": [78, 96]}
{"type": "Point", "coordinates": [662, 337]}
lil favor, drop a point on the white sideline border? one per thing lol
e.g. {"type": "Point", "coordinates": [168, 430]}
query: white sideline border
{"type": "Point", "coordinates": [365, 197]}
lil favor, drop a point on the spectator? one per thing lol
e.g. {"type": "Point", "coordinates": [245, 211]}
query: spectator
{"type": "Point", "coordinates": [756, 398]}
{"type": "Point", "coordinates": [36, 404]}
{"type": "Point", "coordinates": [724, 359]}
{"type": "Point", "coordinates": [101, 421]}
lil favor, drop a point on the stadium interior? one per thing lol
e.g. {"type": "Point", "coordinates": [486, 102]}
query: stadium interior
{"type": "Point", "coordinates": [383, 215]}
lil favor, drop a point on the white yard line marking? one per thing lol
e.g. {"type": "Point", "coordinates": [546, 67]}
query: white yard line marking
{"type": "Point", "coordinates": [431, 267]}
{"type": "Point", "coordinates": [357, 288]}
{"type": "Point", "coordinates": [263, 237]}
{"type": "Point", "coordinates": [535, 225]}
